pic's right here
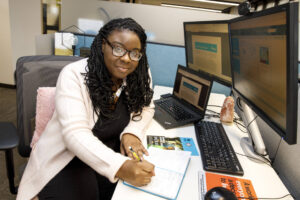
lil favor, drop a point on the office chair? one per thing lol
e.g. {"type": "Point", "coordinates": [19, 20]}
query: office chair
{"type": "Point", "coordinates": [31, 73]}
{"type": "Point", "coordinates": [8, 141]}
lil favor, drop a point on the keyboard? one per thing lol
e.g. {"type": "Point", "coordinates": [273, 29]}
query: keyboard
{"type": "Point", "coordinates": [175, 110]}
{"type": "Point", "coordinates": [216, 150]}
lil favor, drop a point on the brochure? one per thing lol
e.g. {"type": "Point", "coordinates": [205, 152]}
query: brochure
{"type": "Point", "coordinates": [175, 143]}
{"type": "Point", "coordinates": [242, 188]}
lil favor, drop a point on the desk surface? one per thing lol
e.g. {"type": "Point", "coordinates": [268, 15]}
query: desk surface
{"type": "Point", "coordinates": [266, 182]}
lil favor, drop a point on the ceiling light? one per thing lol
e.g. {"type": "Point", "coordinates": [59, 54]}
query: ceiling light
{"type": "Point", "coordinates": [191, 8]}
{"type": "Point", "coordinates": [218, 2]}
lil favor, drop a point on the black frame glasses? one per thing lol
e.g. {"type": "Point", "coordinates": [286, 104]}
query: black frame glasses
{"type": "Point", "coordinates": [120, 51]}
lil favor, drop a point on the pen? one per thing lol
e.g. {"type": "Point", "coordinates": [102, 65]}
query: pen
{"type": "Point", "coordinates": [134, 154]}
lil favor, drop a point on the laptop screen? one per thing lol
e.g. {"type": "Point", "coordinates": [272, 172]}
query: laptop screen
{"type": "Point", "coordinates": [192, 88]}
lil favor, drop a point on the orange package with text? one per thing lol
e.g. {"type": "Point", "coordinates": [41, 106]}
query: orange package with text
{"type": "Point", "coordinates": [242, 188]}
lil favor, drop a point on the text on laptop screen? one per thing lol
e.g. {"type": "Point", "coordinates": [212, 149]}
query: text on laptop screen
{"type": "Point", "coordinates": [191, 88]}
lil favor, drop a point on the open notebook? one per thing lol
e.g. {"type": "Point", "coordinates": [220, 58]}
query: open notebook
{"type": "Point", "coordinates": [170, 169]}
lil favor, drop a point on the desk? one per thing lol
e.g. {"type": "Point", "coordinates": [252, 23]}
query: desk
{"type": "Point", "coordinates": [266, 182]}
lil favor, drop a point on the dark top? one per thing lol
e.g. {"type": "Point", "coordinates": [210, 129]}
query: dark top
{"type": "Point", "coordinates": [109, 130]}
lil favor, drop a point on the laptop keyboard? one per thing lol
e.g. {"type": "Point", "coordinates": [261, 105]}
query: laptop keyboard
{"type": "Point", "coordinates": [175, 110]}
{"type": "Point", "coordinates": [216, 149]}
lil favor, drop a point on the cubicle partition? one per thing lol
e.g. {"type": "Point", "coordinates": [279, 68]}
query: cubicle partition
{"type": "Point", "coordinates": [163, 60]}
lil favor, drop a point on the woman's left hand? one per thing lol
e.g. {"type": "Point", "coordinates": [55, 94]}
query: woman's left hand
{"type": "Point", "coordinates": [130, 140]}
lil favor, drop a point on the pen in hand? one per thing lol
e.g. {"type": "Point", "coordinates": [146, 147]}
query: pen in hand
{"type": "Point", "coordinates": [135, 154]}
{"type": "Point", "coordinates": [147, 169]}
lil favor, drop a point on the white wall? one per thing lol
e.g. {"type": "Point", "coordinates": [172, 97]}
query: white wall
{"type": "Point", "coordinates": [20, 22]}
{"type": "Point", "coordinates": [165, 23]}
{"type": "Point", "coordinates": [26, 23]}
{"type": "Point", "coordinates": [6, 70]}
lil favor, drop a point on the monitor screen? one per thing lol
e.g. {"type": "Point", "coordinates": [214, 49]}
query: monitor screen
{"type": "Point", "coordinates": [264, 59]}
{"type": "Point", "coordinates": [192, 87]}
{"type": "Point", "coordinates": [207, 49]}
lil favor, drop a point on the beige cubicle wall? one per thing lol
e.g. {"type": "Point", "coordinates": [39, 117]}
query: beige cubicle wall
{"type": "Point", "coordinates": [163, 24]}
{"type": "Point", "coordinates": [20, 22]}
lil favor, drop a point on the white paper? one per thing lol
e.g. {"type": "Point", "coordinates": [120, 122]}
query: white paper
{"type": "Point", "coordinates": [170, 167]}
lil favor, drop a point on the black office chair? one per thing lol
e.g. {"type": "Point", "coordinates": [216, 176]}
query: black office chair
{"type": "Point", "coordinates": [33, 72]}
{"type": "Point", "coordinates": [8, 141]}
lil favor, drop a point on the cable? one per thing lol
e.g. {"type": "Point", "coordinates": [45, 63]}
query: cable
{"type": "Point", "coordinates": [251, 121]}
{"type": "Point", "coordinates": [238, 103]}
{"type": "Point", "coordinates": [212, 115]}
{"type": "Point", "coordinates": [268, 162]}
{"type": "Point", "coordinates": [261, 155]}
{"type": "Point", "coordinates": [214, 112]}
{"type": "Point", "coordinates": [235, 119]}
{"type": "Point", "coordinates": [252, 198]}
{"type": "Point", "coordinates": [238, 124]}
{"type": "Point", "coordinates": [215, 106]}
{"type": "Point", "coordinates": [272, 161]}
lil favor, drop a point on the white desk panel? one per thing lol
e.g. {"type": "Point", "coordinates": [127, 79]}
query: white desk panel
{"type": "Point", "coordinates": [265, 181]}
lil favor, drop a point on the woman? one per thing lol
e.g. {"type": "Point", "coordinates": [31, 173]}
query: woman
{"type": "Point", "coordinates": [103, 104]}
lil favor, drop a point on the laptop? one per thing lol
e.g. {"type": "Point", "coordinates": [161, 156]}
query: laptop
{"type": "Point", "coordinates": [188, 102]}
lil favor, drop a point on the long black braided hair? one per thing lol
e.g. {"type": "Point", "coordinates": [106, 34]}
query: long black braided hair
{"type": "Point", "coordinates": [98, 79]}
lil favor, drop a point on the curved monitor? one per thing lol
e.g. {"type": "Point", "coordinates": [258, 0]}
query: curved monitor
{"type": "Point", "coordinates": [264, 57]}
{"type": "Point", "coordinates": [207, 49]}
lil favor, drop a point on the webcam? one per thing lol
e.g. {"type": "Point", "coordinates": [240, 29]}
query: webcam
{"type": "Point", "coordinates": [244, 8]}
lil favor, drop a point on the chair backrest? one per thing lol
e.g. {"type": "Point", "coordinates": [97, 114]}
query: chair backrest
{"type": "Point", "coordinates": [33, 72]}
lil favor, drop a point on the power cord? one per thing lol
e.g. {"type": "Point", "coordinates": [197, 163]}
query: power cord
{"type": "Point", "coordinates": [251, 121]}
{"type": "Point", "coordinates": [252, 198]}
{"type": "Point", "coordinates": [273, 160]}
{"type": "Point", "coordinates": [268, 162]}
{"type": "Point", "coordinates": [238, 124]}
{"type": "Point", "coordinates": [261, 155]}
{"type": "Point", "coordinates": [236, 119]}
{"type": "Point", "coordinates": [238, 103]}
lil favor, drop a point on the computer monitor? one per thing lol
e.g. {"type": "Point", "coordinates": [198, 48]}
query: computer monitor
{"type": "Point", "coordinates": [207, 49]}
{"type": "Point", "coordinates": [264, 57]}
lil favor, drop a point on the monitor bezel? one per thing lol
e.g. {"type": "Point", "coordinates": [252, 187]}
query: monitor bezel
{"type": "Point", "coordinates": [290, 134]}
{"type": "Point", "coordinates": [214, 77]}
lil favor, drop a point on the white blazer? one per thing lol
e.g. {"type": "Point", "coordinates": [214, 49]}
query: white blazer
{"type": "Point", "coordinates": [69, 134]}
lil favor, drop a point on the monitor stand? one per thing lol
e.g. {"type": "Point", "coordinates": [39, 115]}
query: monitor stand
{"type": "Point", "coordinates": [253, 146]}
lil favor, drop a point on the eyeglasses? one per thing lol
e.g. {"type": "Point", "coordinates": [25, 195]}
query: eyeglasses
{"type": "Point", "coordinates": [120, 51]}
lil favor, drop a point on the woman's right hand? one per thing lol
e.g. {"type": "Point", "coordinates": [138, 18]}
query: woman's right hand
{"type": "Point", "coordinates": [136, 173]}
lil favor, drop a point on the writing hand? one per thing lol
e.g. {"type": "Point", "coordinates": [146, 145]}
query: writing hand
{"type": "Point", "coordinates": [130, 140]}
{"type": "Point", "coordinates": [136, 173]}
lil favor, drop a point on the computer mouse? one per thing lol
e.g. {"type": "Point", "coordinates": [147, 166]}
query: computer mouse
{"type": "Point", "coordinates": [219, 193]}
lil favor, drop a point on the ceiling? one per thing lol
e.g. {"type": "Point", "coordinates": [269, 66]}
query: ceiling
{"type": "Point", "coordinates": [213, 5]}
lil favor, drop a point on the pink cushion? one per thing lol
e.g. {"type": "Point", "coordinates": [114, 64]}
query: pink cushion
{"type": "Point", "coordinates": [45, 105]}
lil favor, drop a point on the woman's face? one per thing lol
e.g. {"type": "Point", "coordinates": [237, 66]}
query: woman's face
{"type": "Point", "coordinates": [120, 67]}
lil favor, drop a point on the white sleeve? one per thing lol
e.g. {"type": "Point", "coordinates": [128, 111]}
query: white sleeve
{"type": "Point", "coordinates": [73, 115]}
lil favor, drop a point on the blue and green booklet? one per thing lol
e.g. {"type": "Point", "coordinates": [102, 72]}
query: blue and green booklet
{"type": "Point", "coordinates": [174, 143]}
